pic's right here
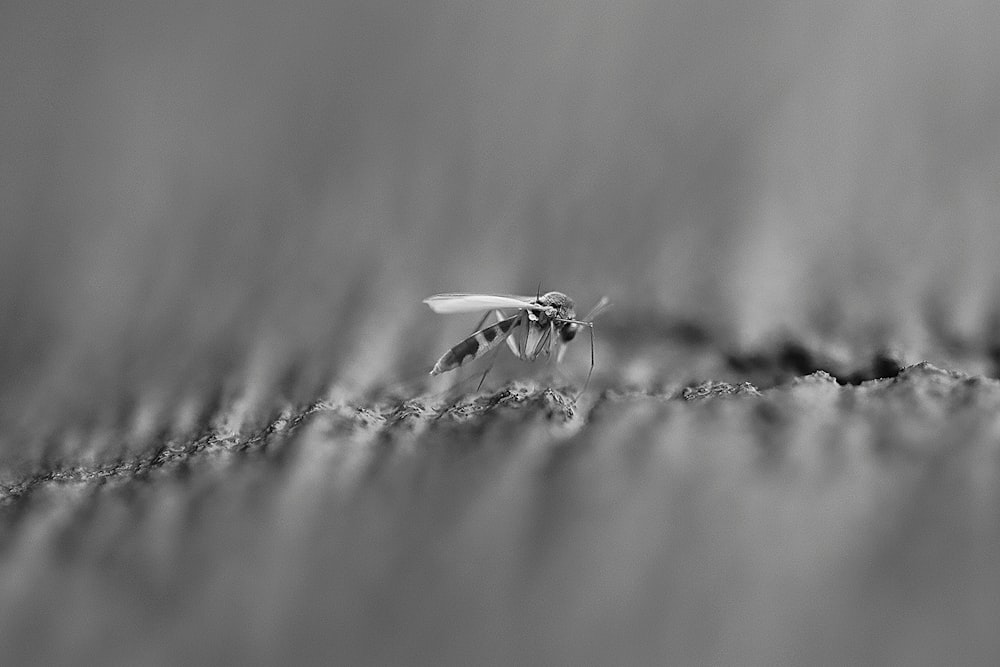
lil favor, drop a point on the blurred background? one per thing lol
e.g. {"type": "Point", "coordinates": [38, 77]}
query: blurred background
{"type": "Point", "coordinates": [211, 211]}
{"type": "Point", "coordinates": [190, 187]}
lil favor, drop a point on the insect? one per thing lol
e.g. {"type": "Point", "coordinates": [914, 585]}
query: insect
{"type": "Point", "coordinates": [542, 324]}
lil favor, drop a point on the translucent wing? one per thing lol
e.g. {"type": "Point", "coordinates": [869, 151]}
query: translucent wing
{"type": "Point", "coordinates": [470, 303]}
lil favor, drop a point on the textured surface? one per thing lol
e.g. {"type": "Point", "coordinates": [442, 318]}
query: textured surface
{"type": "Point", "coordinates": [812, 521]}
{"type": "Point", "coordinates": [218, 440]}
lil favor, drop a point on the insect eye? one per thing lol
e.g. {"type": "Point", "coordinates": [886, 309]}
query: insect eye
{"type": "Point", "coordinates": [568, 332]}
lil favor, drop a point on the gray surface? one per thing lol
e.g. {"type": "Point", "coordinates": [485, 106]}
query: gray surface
{"type": "Point", "coordinates": [216, 226]}
{"type": "Point", "coordinates": [808, 523]}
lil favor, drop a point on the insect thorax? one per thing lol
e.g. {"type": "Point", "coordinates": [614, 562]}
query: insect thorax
{"type": "Point", "coordinates": [559, 307]}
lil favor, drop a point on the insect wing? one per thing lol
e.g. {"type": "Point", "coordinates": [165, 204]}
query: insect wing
{"type": "Point", "coordinates": [470, 303]}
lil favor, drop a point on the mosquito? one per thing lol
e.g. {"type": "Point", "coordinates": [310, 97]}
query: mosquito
{"type": "Point", "coordinates": [542, 325]}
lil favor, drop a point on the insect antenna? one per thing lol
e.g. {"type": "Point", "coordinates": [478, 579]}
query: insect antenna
{"type": "Point", "coordinates": [598, 308]}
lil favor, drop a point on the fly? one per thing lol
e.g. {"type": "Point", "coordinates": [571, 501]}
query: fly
{"type": "Point", "coordinates": [540, 326]}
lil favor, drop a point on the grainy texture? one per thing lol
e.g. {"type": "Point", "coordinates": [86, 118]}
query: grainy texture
{"type": "Point", "coordinates": [811, 522]}
{"type": "Point", "coordinates": [218, 440]}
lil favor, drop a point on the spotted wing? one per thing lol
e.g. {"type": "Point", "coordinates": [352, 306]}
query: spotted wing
{"type": "Point", "coordinates": [477, 344]}
{"type": "Point", "coordinates": [471, 303]}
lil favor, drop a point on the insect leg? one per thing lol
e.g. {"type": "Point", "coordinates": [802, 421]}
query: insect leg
{"type": "Point", "coordinates": [499, 316]}
{"type": "Point", "coordinates": [545, 342]}
{"type": "Point", "coordinates": [591, 371]}
{"type": "Point", "coordinates": [553, 342]}
{"type": "Point", "coordinates": [488, 369]}
{"type": "Point", "coordinates": [523, 342]}
{"type": "Point", "coordinates": [589, 325]}
{"type": "Point", "coordinates": [561, 346]}
{"type": "Point", "coordinates": [482, 320]}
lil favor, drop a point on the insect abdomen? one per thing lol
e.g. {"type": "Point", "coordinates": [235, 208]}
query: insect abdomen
{"type": "Point", "coordinates": [475, 345]}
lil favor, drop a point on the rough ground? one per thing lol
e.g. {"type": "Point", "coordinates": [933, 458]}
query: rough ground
{"type": "Point", "coordinates": [781, 515]}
